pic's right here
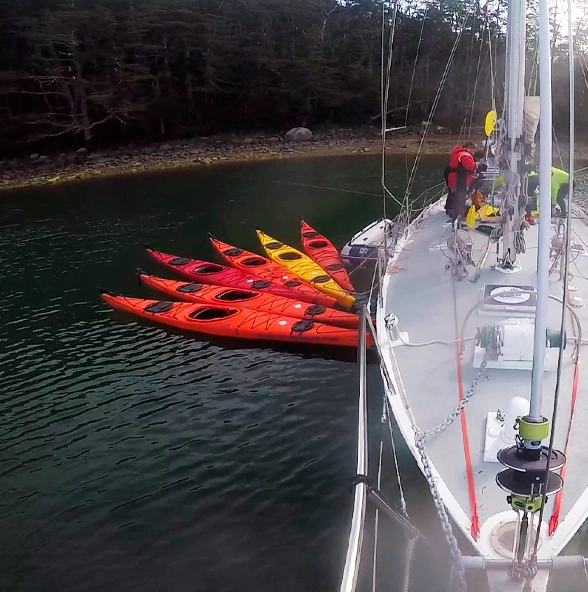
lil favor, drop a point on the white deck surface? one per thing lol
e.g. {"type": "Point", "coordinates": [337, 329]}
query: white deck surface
{"type": "Point", "coordinates": [420, 292]}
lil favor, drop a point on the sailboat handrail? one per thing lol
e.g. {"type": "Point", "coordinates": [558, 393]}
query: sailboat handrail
{"type": "Point", "coordinates": [352, 560]}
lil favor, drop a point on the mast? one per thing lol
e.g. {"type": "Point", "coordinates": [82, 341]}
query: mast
{"type": "Point", "coordinates": [514, 141]}
{"type": "Point", "coordinates": [531, 473]}
{"type": "Point", "coordinates": [545, 159]}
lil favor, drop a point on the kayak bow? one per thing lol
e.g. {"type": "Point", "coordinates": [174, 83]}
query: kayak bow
{"type": "Point", "coordinates": [322, 251]}
{"type": "Point", "coordinates": [304, 267]}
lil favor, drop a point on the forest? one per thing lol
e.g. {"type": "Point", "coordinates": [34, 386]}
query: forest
{"type": "Point", "coordinates": [106, 72]}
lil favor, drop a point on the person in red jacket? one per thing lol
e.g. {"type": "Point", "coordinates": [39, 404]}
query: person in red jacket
{"type": "Point", "coordinates": [459, 174]}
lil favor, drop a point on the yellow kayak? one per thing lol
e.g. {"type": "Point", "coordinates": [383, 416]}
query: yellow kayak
{"type": "Point", "coordinates": [304, 267]}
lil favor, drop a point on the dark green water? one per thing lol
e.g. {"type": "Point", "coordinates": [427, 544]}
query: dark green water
{"type": "Point", "coordinates": [132, 458]}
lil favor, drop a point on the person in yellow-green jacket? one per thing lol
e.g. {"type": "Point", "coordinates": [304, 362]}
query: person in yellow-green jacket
{"type": "Point", "coordinates": [560, 189]}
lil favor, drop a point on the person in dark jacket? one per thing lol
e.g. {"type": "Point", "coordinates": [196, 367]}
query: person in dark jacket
{"type": "Point", "coordinates": [459, 175]}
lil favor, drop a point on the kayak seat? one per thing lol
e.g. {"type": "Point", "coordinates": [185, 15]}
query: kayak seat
{"type": "Point", "coordinates": [158, 307]}
{"type": "Point", "coordinates": [254, 261]}
{"type": "Point", "coordinates": [318, 244]}
{"type": "Point", "coordinates": [292, 283]}
{"type": "Point", "coordinates": [334, 267]}
{"type": "Point", "coordinates": [229, 295]}
{"type": "Point", "coordinates": [321, 279]}
{"type": "Point", "coordinates": [190, 288]}
{"type": "Point", "coordinates": [233, 252]}
{"type": "Point", "coordinates": [301, 326]}
{"type": "Point", "coordinates": [315, 309]}
{"type": "Point", "coordinates": [212, 314]}
{"type": "Point", "coordinates": [289, 256]}
{"type": "Point", "coordinates": [179, 261]}
{"type": "Point", "coordinates": [274, 245]}
{"type": "Point", "coordinates": [260, 284]}
{"type": "Point", "coordinates": [209, 268]}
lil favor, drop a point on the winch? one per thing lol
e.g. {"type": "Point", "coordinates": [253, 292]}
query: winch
{"type": "Point", "coordinates": [508, 345]}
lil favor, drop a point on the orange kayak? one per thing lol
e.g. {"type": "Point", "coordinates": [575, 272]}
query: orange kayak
{"type": "Point", "coordinates": [249, 299]}
{"type": "Point", "coordinates": [217, 275]}
{"type": "Point", "coordinates": [230, 321]}
{"type": "Point", "coordinates": [249, 262]}
{"type": "Point", "coordinates": [322, 251]}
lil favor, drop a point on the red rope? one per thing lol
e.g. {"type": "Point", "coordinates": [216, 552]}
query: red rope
{"type": "Point", "coordinates": [554, 520]}
{"type": "Point", "coordinates": [475, 521]}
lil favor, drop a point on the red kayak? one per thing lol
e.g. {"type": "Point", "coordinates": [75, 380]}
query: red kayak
{"type": "Point", "coordinates": [249, 299]}
{"type": "Point", "coordinates": [230, 321]}
{"type": "Point", "coordinates": [249, 262]}
{"type": "Point", "coordinates": [322, 251]}
{"type": "Point", "coordinates": [217, 275]}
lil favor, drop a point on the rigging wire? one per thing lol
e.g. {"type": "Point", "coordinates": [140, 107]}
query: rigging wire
{"type": "Point", "coordinates": [435, 104]}
{"type": "Point", "coordinates": [470, 63]}
{"type": "Point", "coordinates": [476, 80]}
{"type": "Point", "coordinates": [469, 108]}
{"type": "Point", "coordinates": [492, 72]}
{"type": "Point", "coordinates": [385, 92]}
{"type": "Point", "coordinates": [416, 58]}
{"type": "Point", "coordinates": [296, 184]}
{"type": "Point", "coordinates": [565, 277]}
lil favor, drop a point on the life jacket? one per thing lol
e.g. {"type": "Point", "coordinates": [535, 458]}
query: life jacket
{"type": "Point", "coordinates": [459, 173]}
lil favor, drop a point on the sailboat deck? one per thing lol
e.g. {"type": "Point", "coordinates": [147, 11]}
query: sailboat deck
{"type": "Point", "coordinates": [423, 295]}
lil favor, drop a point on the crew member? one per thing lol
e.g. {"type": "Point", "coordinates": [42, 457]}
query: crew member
{"type": "Point", "coordinates": [459, 175]}
{"type": "Point", "coordinates": [560, 189]}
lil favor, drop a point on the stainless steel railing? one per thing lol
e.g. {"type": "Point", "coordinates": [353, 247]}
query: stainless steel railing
{"type": "Point", "coordinates": [352, 560]}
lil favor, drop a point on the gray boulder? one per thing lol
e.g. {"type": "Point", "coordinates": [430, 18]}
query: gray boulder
{"type": "Point", "coordinates": [298, 134]}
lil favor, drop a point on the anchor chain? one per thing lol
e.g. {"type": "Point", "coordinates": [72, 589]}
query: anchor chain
{"type": "Point", "coordinates": [420, 441]}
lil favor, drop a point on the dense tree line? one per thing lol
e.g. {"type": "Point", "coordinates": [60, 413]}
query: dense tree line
{"type": "Point", "coordinates": [106, 71]}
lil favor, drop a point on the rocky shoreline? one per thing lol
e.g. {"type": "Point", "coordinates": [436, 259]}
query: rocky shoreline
{"type": "Point", "coordinates": [83, 164]}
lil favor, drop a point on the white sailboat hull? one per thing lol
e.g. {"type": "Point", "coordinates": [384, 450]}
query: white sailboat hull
{"type": "Point", "coordinates": [419, 291]}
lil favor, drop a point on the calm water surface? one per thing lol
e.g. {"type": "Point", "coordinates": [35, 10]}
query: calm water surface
{"type": "Point", "coordinates": [133, 458]}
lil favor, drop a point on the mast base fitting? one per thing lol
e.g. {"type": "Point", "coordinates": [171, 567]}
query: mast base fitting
{"type": "Point", "coordinates": [534, 431]}
{"type": "Point", "coordinates": [526, 504]}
